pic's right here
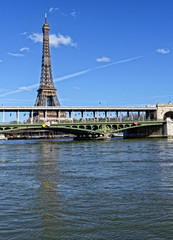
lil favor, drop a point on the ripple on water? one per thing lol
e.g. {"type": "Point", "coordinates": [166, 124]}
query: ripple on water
{"type": "Point", "coordinates": [120, 189]}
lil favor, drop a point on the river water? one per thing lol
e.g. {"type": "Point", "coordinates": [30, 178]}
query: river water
{"type": "Point", "coordinates": [117, 189]}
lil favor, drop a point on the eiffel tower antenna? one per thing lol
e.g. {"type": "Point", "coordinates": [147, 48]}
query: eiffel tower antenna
{"type": "Point", "coordinates": [45, 17]}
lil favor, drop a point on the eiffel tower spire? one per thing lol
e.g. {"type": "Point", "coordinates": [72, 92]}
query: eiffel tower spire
{"type": "Point", "coordinates": [47, 95]}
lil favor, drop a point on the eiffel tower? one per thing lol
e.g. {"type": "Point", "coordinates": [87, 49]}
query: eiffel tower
{"type": "Point", "coordinates": [47, 95]}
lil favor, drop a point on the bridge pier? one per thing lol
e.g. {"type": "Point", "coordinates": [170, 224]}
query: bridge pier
{"type": "Point", "coordinates": [168, 128]}
{"type": "Point", "coordinates": [145, 132]}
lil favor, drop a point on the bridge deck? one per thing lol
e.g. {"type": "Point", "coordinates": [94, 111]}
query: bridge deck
{"type": "Point", "coordinates": [73, 108]}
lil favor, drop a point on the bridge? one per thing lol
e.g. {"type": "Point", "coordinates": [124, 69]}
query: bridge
{"type": "Point", "coordinates": [84, 129]}
{"type": "Point", "coordinates": [87, 122]}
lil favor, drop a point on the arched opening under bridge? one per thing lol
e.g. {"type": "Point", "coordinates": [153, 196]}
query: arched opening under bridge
{"type": "Point", "coordinates": [168, 115]}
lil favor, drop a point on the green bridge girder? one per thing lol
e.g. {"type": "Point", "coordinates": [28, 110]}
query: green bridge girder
{"type": "Point", "coordinates": [81, 128]}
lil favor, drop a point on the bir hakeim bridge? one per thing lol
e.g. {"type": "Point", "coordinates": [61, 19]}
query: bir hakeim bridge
{"type": "Point", "coordinates": [84, 122]}
{"type": "Point", "coordinates": [94, 122]}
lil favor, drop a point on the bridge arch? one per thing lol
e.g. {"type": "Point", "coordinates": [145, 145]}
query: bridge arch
{"type": "Point", "coordinates": [82, 127]}
{"type": "Point", "coordinates": [168, 115]}
{"type": "Point", "coordinates": [94, 127]}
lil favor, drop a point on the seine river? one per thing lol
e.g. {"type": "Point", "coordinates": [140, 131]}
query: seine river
{"type": "Point", "coordinates": [117, 189]}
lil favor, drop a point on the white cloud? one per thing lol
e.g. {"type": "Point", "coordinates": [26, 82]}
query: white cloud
{"type": "Point", "coordinates": [24, 33]}
{"type": "Point", "coordinates": [119, 62]}
{"type": "Point", "coordinates": [36, 37]}
{"type": "Point", "coordinates": [103, 59]}
{"type": "Point", "coordinates": [64, 14]}
{"type": "Point", "coordinates": [72, 75]}
{"type": "Point", "coordinates": [10, 93]}
{"type": "Point", "coordinates": [163, 50]}
{"type": "Point", "coordinates": [73, 14]}
{"type": "Point", "coordinates": [24, 49]}
{"type": "Point", "coordinates": [20, 89]}
{"type": "Point", "coordinates": [55, 41]}
{"type": "Point", "coordinates": [52, 9]}
{"type": "Point", "coordinates": [25, 88]}
{"type": "Point", "coordinates": [76, 88]}
{"type": "Point", "coordinates": [15, 54]}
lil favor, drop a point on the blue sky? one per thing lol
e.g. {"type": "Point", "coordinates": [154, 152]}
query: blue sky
{"type": "Point", "coordinates": [104, 52]}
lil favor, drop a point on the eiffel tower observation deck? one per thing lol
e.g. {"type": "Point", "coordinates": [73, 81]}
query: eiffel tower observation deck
{"type": "Point", "coordinates": [47, 95]}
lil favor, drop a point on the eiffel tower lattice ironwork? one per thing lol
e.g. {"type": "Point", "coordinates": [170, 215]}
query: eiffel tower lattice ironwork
{"type": "Point", "coordinates": [47, 95]}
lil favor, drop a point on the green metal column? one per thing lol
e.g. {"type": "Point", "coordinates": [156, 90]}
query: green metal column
{"type": "Point", "coordinates": [94, 115]}
{"type": "Point", "coordinates": [32, 117]}
{"type": "Point", "coordinates": [17, 115]}
{"type": "Point", "coordinates": [69, 114]}
{"type": "Point", "coordinates": [59, 115]}
{"type": "Point", "coordinates": [109, 115]}
{"type": "Point", "coordinates": [139, 115]}
{"type": "Point", "coordinates": [132, 116]}
{"type": "Point", "coordinates": [84, 116]}
{"type": "Point", "coordinates": [106, 115]}
{"type": "Point", "coordinates": [127, 115]}
{"type": "Point", "coordinates": [72, 115]}
{"type": "Point", "coordinates": [143, 116]}
{"type": "Point", "coordinates": [3, 116]}
{"type": "Point", "coordinates": [147, 115]}
{"type": "Point", "coordinates": [45, 115]}
{"type": "Point", "coordinates": [120, 116]}
{"type": "Point", "coordinates": [117, 115]}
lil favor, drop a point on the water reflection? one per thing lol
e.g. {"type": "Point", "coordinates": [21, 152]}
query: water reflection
{"type": "Point", "coordinates": [48, 198]}
{"type": "Point", "coordinates": [166, 165]}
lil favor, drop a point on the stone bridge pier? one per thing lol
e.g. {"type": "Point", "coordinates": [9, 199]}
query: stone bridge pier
{"type": "Point", "coordinates": [168, 128]}
{"type": "Point", "coordinates": [165, 112]}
